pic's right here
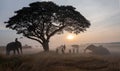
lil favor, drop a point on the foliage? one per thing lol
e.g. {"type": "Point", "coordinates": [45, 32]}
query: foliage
{"type": "Point", "coordinates": [41, 20]}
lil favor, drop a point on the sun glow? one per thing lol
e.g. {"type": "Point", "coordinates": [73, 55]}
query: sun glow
{"type": "Point", "coordinates": [70, 37]}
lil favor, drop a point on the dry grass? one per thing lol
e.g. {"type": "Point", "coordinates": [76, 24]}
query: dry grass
{"type": "Point", "coordinates": [58, 62]}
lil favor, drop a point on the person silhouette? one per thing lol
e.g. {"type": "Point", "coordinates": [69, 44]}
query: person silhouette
{"type": "Point", "coordinates": [18, 44]}
{"type": "Point", "coordinates": [63, 49]}
{"type": "Point", "coordinates": [16, 39]}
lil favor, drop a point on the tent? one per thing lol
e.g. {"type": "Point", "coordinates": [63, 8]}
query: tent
{"type": "Point", "coordinates": [99, 50]}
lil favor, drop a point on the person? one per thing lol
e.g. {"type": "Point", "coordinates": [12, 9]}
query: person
{"type": "Point", "coordinates": [16, 39]}
{"type": "Point", "coordinates": [69, 50]}
{"type": "Point", "coordinates": [63, 49]}
{"type": "Point", "coordinates": [18, 44]}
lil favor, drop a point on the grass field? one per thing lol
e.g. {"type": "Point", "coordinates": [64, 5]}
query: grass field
{"type": "Point", "coordinates": [52, 61]}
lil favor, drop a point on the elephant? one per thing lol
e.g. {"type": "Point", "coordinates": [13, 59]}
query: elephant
{"type": "Point", "coordinates": [14, 46]}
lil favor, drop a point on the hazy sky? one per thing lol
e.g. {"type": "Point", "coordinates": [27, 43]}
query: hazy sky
{"type": "Point", "coordinates": [104, 16]}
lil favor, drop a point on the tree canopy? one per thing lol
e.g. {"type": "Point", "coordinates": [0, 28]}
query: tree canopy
{"type": "Point", "coordinates": [41, 20]}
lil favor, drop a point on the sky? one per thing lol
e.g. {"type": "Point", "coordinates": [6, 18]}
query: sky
{"type": "Point", "coordinates": [104, 16]}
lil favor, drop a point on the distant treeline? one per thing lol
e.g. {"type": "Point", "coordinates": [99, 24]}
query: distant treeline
{"type": "Point", "coordinates": [25, 46]}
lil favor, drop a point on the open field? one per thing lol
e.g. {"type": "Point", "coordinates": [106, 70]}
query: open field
{"type": "Point", "coordinates": [35, 60]}
{"type": "Point", "coordinates": [52, 61]}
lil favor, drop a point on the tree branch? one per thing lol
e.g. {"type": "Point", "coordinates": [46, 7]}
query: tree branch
{"type": "Point", "coordinates": [34, 39]}
{"type": "Point", "coordinates": [38, 34]}
{"type": "Point", "coordinates": [48, 29]}
{"type": "Point", "coordinates": [56, 31]}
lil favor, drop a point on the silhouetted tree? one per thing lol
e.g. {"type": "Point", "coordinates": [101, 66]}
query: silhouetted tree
{"type": "Point", "coordinates": [41, 20]}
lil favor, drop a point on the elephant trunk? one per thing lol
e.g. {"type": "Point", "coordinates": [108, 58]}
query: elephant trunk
{"type": "Point", "coordinates": [21, 50]}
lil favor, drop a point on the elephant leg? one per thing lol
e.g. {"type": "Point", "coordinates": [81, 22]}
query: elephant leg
{"type": "Point", "coordinates": [21, 50]}
{"type": "Point", "coordinates": [14, 51]}
{"type": "Point", "coordinates": [18, 51]}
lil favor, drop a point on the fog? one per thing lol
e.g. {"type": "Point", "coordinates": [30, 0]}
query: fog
{"type": "Point", "coordinates": [113, 48]}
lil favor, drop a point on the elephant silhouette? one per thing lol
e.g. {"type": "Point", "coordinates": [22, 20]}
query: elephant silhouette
{"type": "Point", "coordinates": [14, 46]}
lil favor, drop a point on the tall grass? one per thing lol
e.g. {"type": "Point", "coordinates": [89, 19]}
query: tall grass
{"type": "Point", "coordinates": [58, 62]}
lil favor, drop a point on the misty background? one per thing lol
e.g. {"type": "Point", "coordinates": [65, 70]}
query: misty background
{"type": "Point", "coordinates": [104, 16]}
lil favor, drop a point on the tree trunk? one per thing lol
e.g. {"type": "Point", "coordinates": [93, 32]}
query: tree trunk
{"type": "Point", "coordinates": [45, 46]}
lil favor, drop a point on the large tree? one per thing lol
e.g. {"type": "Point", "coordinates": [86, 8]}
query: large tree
{"type": "Point", "coordinates": [42, 20]}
